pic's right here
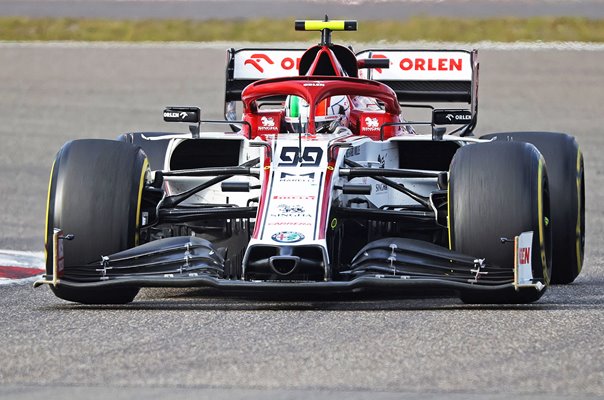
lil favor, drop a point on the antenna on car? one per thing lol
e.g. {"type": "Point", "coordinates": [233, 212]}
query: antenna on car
{"type": "Point", "coordinates": [326, 27]}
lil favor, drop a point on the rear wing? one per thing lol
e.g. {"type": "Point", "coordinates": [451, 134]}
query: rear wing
{"type": "Point", "coordinates": [416, 76]}
{"type": "Point", "coordinates": [245, 66]}
{"type": "Point", "coordinates": [430, 76]}
{"type": "Point", "coordinates": [426, 75]}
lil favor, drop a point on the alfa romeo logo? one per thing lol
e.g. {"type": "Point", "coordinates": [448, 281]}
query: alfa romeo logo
{"type": "Point", "coordinates": [287, 237]}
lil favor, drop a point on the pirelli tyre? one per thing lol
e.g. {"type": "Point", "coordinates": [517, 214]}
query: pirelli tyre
{"type": "Point", "coordinates": [154, 144]}
{"type": "Point", "coordinates": [95, 194]}
{"type": "Point", "coordinates": [499, 190]}
{"type": "Point", "coordinates": [567, 196]}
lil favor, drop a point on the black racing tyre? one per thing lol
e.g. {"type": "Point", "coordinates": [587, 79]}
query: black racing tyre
{"type": "Point", "coordinates": [498, 190]}
{"type": "Point", "coordinates": [95, 194]}
{"type": "Point", "coordinates": [152, 143]}
{"type": "Point", "coordinates": [566, 175]}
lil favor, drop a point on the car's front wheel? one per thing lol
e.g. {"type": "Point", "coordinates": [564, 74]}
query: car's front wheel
{"type": "Point", "coordinates": [567, 195]}
{"type": "Point", "coordinates": [94, 194]}
{"type": "Point", "coordinates": [499, 190]}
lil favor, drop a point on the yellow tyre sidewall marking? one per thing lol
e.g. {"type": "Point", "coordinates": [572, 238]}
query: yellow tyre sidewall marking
{"type": "Point", "coordinates": [139, 201]}
{"type": "Point", "coordinates": [48, 212]}
{"type": "Point", "coordinates": [546, 277]}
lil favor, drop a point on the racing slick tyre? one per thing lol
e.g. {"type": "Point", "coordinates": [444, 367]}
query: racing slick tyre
{"type": "Point", "coordinates": [154, 144]}
{"type": "Point", "coordinates": [499, 190]}
{"type": "Point", "coordinates": [95, 194]}
{"type": "Point", "coordinates": [565, 171]}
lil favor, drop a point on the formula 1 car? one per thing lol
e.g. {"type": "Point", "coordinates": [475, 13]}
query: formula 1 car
{"type": "Point", "coordinates": [322, 186]}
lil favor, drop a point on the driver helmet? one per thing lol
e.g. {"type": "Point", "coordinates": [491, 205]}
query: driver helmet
{"type": "Point", "coordinates": [329, 114]}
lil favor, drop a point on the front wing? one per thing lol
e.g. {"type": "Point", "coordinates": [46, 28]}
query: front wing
{"type": "Point", "coordinates": [392, 265]}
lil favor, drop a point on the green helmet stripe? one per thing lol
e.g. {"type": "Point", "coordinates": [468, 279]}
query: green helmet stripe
{"type": "Point", "coordinates": [294, 103]}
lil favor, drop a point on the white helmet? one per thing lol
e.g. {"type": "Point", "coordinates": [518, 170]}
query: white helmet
{"type": "Point", "coordinates": [329, 114]}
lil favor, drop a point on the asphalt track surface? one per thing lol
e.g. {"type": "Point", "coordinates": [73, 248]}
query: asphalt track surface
{"type": "Point", "coordinates": [196, 343]}
{"type": "Point", "coordinates": [357, 9]}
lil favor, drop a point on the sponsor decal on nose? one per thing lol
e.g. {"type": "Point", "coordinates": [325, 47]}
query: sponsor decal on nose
{"type": "Point", "coordinates": [287, 237]}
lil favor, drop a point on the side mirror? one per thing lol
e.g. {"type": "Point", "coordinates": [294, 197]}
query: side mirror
{"type": "Point", "coordinates": [182, 114]}
{"type": "Point", "coordinates": [438, 132]}
{"type": "Point", "coordinates": [373, 63]}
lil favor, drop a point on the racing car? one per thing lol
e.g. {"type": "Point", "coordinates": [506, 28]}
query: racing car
{"type": "Point", "coordinates": [322, 184]}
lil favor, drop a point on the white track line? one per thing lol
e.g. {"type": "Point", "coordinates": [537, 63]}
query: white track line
{"type": "Point", "coordinates": [487, 45]}
{"type": "Point", "coordinates": [28, 259]}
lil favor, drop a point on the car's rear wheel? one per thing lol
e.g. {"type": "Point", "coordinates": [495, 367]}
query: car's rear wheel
{"type": "Point", "coordinates": [95, 194]}
{"type": "Point", "coordinates": [499, 190]}
{"type": "Point", "coordinates": [567, 195]}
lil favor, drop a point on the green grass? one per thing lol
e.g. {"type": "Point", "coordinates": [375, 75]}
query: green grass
{"type": "Point", "coordinates": [264, 30]}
